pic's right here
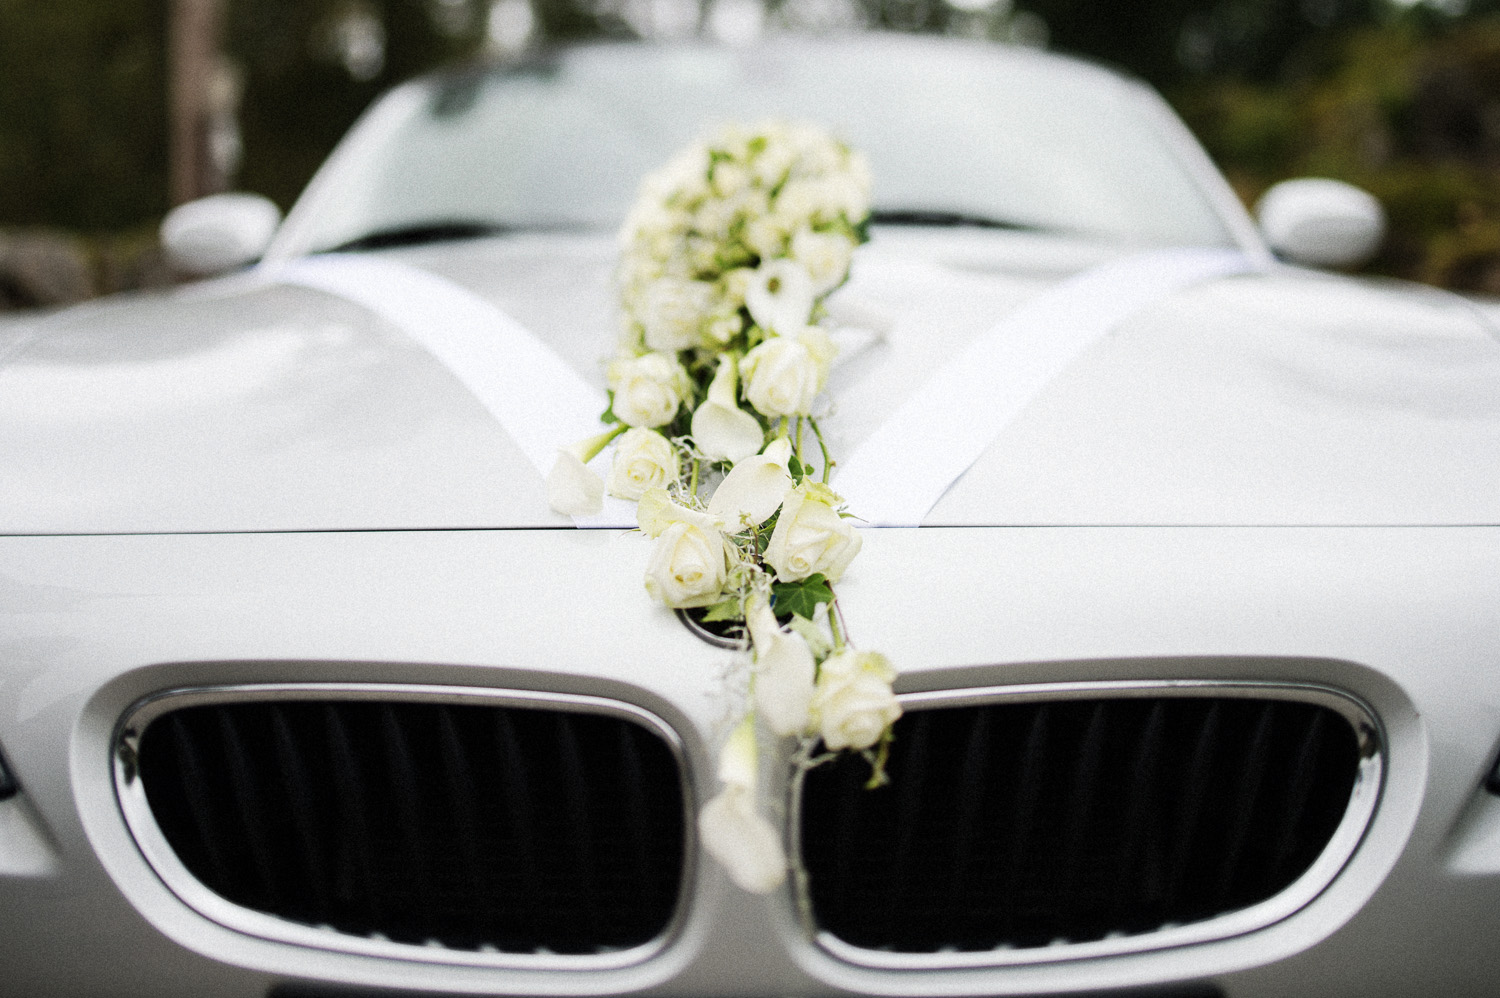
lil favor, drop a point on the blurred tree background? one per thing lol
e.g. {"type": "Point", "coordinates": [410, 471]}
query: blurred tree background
{"type": "Point", "coordinates": [1401, 97]}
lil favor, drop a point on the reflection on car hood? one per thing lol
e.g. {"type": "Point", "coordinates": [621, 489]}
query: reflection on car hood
{"type": "Point", "coordinates": [1271, 398]}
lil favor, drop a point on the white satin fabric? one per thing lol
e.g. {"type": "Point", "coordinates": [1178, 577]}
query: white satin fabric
{"type": "Point", "coordinates": [895, 476]}
{"type": "Point", "coordinates": [903, 468]}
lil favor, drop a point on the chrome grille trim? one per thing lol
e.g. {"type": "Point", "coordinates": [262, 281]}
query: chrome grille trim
{"type": "Point", "coordinates": [1363, 801]}
{"type": "Point", "coordinates": [162, 858]}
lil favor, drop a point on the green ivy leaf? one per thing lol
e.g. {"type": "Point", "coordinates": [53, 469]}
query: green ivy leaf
{"type": "Point", "coordinates": [795, 467]}
{"type": "Point", "coordinates": [801, 598]}
{"type": "Point", "coordinates": [608, 417]}
{"type": "Point", "coordinates": [727, 610]}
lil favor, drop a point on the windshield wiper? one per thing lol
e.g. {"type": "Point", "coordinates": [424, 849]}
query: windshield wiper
{"type": "Point", "coordinates": [423, 232]}
{"type": "Point", "coordinates": [942, 219]}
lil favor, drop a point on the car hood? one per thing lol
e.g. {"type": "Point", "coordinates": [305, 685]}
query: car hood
{"type": "Point", "coordinates": [245, 404]}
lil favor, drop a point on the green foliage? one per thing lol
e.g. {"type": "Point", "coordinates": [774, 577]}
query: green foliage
{"type": "Point", "coordinates": [727, 610]}
{"type": "Point", "coordinates": [82, 112]}
{"type": "Point", "coordinates": [298, 100]}
{"type": "Point", "coordinates": [1403, 111]}
{"type": "Point", "coordinates": [801, 598]}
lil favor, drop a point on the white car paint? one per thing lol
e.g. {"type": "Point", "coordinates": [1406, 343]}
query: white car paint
{"type": "Point", "coordinates": [1279, 477]}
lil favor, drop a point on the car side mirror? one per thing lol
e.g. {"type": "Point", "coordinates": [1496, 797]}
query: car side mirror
{"type": "Point", "coordinates": [219, 233]}
{"type": "Point", "coordinates": [1320, 222]}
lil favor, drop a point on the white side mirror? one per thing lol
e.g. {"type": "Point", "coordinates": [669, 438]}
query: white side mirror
{"type": "Point", "coordinates": [219, 232]}
{"type": "Point", "coordinates": [1321, 223]}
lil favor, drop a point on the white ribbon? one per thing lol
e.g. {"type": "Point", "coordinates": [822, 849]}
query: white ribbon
{"type": "Point", "coordinates": [902, 469]}
{"type": "Point", "coordinates": [539, 400]}
{"type": "Point", "coordinates": [896, 476]}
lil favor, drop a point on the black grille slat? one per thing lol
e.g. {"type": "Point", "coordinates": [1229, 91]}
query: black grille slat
{"type": "Point", "coordinates": [972, 781]}
{"type": "Point", "coordinates": [908, 812]}
{"type": "Point", "coordinates": [193, 777]}
{"type": "Point", "coordinates": [521, 821]}
{"type": "Point", "coordinates": [637, 824]}
{"type": "Point", "coordinates": [1298, 789]}
{"type": "Point", "coordinates": [1015, 824]}
{"type": "Point", "coordinates": [575, 829]}
{"type": "Point", "coordinates": [1194, 799]}
{"type": "Point", "coordinates": [459, 805]}
{"type": "Point", "coordinates": [407, 803]}
{"type": "Point", "coordinates": [251, 812]}
{"type": "Point", "coordinates": [1251, 776]}
{"type": "Point", "coordinates": [291, 759]}
{"type": "Point", "coordinates": [475, 826]}
{"type": "Point", "coordinates": [1084, 784]}
{"type": "Point", "coordinates": [355, 869]}
{"type": "Point", "coordinates": [1136, 860]}
{"type": "Point", "coordinates": [1023, 809]}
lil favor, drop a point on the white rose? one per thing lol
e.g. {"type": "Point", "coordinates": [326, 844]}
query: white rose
{"type": "Point", "coordinates": [845, 194]}
{"type": "Point", "coordinates": [644, 459]}
{"type": "Point", "coordinates": [683, 178]}
{"type": "Point", "coordinates": [861, 181]}
{"type": "Point", "coordinates": [784, 375]}
{"type": "Point", "coordinates": [672, 311]}
{"type": "Point", "coordinates": [701, 254]}
{"type": "Point", "coordinates": [826, 256]}
{"type": "Point", "coordinates": [648, 389]}
{"type": "Point", "coordinates": [722, 326]}
{"type": "Point", "coordinates": [650, 221]}
{"type": "Point", "coordinates": [688, 566]}
{"type": "Point", "coordinates": [733, 285]}
{"type": "Point", "coordinates": [771, 166]}
{"type": "Point", "coordinates": [766, 235]}
{"type": "Point", "coordinates": [853, 704]}
{"type": "Point", "coordinates": [811, 537]}
{"type": "Point", "coordinates": [730, 178]}
{"type": "Point", "coordinates": [714, 219]}
{"type": "Point", "coordinates": [800, 202]}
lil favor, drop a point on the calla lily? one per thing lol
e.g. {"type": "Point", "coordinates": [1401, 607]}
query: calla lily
{"type": "Point", "coordinates": [744, 842]}
{"type": "Point", "coordinates": [784, 672]}
{"type": "Point", "coordinates": [755, 487]}
{"type": "Point", "coordinates": [573, 489]}
{"type": "Point", "coordinates": [721, 429]}
{"type": "Point", "coordinates": [780, 295]}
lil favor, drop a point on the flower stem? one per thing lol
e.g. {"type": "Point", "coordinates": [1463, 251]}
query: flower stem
{"type": "Point", "coordinates": [696, 463]}
{"type": "Point", "coordinates": [802, 761]}
{"type": "Point", "coordinates": [587, 450]}
{"type": "Point", "coordinates": [836, 624]}
{"type": "Point", "coordinates": [827, 461]}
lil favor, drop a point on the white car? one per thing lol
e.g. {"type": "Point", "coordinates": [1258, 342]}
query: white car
{"type": "Point", "coordinates": [305, 691]}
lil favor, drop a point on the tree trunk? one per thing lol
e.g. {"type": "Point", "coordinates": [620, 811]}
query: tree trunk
{"type": "Point", "coordinates": [194, 51]}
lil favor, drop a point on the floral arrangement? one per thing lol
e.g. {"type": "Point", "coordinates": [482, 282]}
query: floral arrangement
{"type": "Point", "coordinates": [726, 260]}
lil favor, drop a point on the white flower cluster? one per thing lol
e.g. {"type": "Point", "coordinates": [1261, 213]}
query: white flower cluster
{"type": "Point", "coordinates": [761, 219]}
{"type": "Point", "coordinates": [725, 261]}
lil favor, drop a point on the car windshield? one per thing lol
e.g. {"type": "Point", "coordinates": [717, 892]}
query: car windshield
{"type": "Point", "coordinates": [973, 136]}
